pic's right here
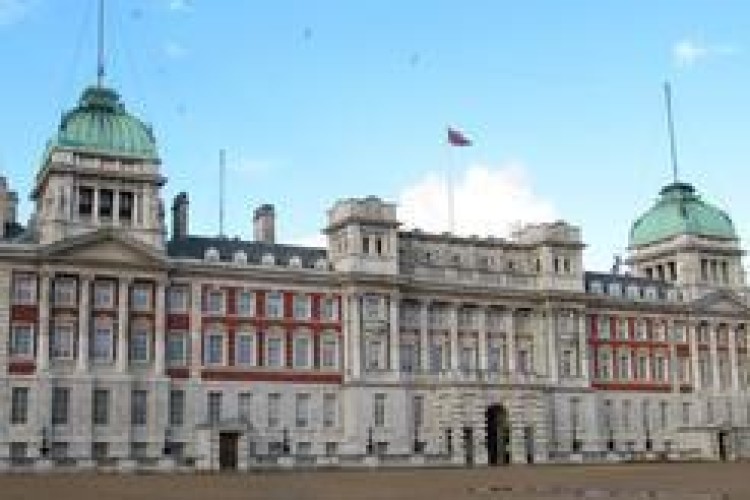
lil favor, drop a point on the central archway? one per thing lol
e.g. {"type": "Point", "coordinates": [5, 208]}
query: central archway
{"type": "Point", "coordinates": [498, 435]}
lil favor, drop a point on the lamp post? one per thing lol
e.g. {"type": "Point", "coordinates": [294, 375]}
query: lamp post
{"type": "Point", "coordinates": [417, 444]}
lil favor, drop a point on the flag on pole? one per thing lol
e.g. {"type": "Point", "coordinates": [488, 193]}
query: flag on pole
{"type": "Point", "coordinates": [457, 138]}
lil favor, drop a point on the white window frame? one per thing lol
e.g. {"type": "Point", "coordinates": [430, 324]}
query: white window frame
{"type": "Point", "coordinates": [245, 406]}
{"type": "Point", "coordinates": [301, 306]}
{"type": "Point", "coordinates": [379, 410]}
{"type": "Point", "coordinates": [253, 348]}
{"type": "Point", "coordinates": [302, 410]}
{"type": "Point", "coordinates": [177, 299]}
{"type": "Point", "coordinates": [101, 326]}
{"type": "Point", "coordinates": [24, 289]}
{"type": "Point", "coordinates": [62, 343]}
{"type": "Point", "coordinates": [273, 338]}
{"type": "Point", "coordinates": [248, 312]}
{"type": "Point", "coordinates": [104, 289]}
{"type": "Point", "coordinates": [64, 292]}
{"type": "Point", "coordinates": [274, 307]}
{"type": "Point", "coordinates": [326, 340]}
{"type": "Point", "coordinates": [273, 416]}
{"type": "Point", "coordinates": [174, 338]}
{"type": "Point", "coordinates": [605, 325]}
{"type": "Point", "coordinates": [141, 297]}
{"type": "Point", "coordinates": [14, 333]}
{"type": "Point", "coordinates": [211, 336]}
{"type": "Point", "coordinates": [300, 338]}
{"type": "Point", "coordinates": [330, 410]}
{"type": "Point", "coordinates": [329, 308]}
{"type": "Point", "coordinates": [216, 302]}
{"type": "Point", "coordinates": [139, 332]}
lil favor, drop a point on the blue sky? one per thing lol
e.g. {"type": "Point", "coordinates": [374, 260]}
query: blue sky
{"type": "Point", "coordinates": [322, 99]}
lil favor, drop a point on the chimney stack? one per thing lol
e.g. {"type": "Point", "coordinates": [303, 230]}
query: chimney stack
{"type": "Point", "coordinates": [8, 206]}
{"type": "Point", "coordinates": [180, 216]}
{"type": "Point", "coordinates": [264, 224]}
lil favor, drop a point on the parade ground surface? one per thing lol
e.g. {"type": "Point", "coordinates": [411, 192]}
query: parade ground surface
{"type": "Point", "coordinates": [711, 481]}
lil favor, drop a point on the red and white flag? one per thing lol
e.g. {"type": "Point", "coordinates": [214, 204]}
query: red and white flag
{"type": "Point", "coordinates": [457, 138]}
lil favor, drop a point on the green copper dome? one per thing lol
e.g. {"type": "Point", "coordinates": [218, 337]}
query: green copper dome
{"type": "Point", "coordinates": [679, 210]}
{"type": "Point", "coordinates": [100, 124]}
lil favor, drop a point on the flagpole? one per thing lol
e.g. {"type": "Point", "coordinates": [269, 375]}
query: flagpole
{"type": "Point", "coordinates": [449, 189]}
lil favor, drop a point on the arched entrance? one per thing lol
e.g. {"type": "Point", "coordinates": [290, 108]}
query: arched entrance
{"type": "Point", "coordinates": [498, 435]}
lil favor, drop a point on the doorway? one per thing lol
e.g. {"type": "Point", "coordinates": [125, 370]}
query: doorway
{"type": "Point", "coordinates": [528, 441]}
{"type": "Point", "coordinates": [723, 441]}
{"type": "Point", "coordinates": [469, 445]}
{"type": "Point", "coordinates": [498, 435]}
{"type": "Point", "coordinates": [228, 442]}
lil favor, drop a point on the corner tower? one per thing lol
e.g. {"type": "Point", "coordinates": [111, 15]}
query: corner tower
{"type": "Point", "coordinates": [101, 169]}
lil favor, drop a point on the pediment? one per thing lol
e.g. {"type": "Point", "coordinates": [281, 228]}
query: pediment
{"type": "Point", "coordinates": [105, 247]}
{"type": "Point", "coordinates": [722, 301]}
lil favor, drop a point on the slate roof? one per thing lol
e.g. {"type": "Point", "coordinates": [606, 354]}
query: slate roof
{"type": "Point", "coordinates": [194, 247]}
{"type": "Point", "coordinates": [625, 280]}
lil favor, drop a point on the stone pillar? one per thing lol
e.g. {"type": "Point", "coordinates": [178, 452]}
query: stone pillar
{"type": "Point", "coordinates": [196, 316]}
{"type": "Point", "coordinates": [552, 339]}
{"type": "Point", "coordinates": [453, 332]}
{"type": "Point", "coordinates": [695, 372]}
{"type": "Point", "coordinates": [116, 207]}
{"type": "Point", "coordinates": [673, 367]}
{"type": "Point", "coordinates": [95, 208]}
{"type": "Point", "coordinates": [482, 339]}
{"type": "Point", "coordinates": [713, 330]}
{"type": "Point", "coordinates": [355, 335]}
{"type": "Point", "coordinates": [159, 326]}
{"type": "Point", "coordinates": [584, 363]}
{"type": "Point", "coordinates": [42, 353]}
{"type": "Point", "coordinates": [123, 300]}
{"type": "Point", "coordinates": [84, 320]}
{"type": "Point", "coordinates": [394, 326]}
{"type": "Point", "coordinates": [510, 334]}
{"type": "Point", "coordinates": [424, 340]}
{"type": "Point", "coordinates": [733, 357]}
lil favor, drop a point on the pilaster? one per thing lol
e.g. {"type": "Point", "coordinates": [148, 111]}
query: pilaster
{"type": "Point", "coordinates": [42, 354]}
{"type": "Point", "coordinates": [552, 340]}
{"type": "Point", "coordinates": [453, 331]}
{"type": "Point", "coordinates": [196, 311]}
{"type": "Point", "coordinates": [123, 327]}
{"type": "Point", "coordinates": [393, 332]}
{"type": "Point", "coordinates": [510, 334]}
{"type": "Point", "coordinates": [584, 363]}
{"type": "Point", "coordinates": [84, 320]}
{"type": "Point", "coordinates": [714, 355]}
{"type": "Point", "coordinates": [733, 357]}
{"type": "Point", "coordinates": [159, 326]}
{"type": "Point", "coordinates": [482, 338]}
{"type": "Point", "coordinates": [424, 341]}
{"type": "Point", "coordinates": [694, 366]}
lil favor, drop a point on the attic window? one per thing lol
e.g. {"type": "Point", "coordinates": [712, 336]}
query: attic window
{"type": "Point", "coordinates": [268, 259]}
{"type": "Point", "coordinates": [212, 254]}
{"type": "Point", "coordinates": [295, 261]}
{"type": "Point", "coordinates": [240, 257]}
{"type": "Point", "coordinates": [321, 264]}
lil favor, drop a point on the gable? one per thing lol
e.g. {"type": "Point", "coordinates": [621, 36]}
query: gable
{"type": "Point", "coordinates": [107, 248]}
{"type": "Point", "coordinates": [721, 302]}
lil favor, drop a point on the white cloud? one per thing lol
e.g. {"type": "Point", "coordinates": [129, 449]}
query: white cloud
{"type": "Point", "coordinates": [687, 52]}
{"type": "Point", "coordinates": [174, 50]}
{"type": "Point", "coordinates": [12, 11]}
{"type": "Point", "coordinates": [180, 5]}
{"type": "Point", "coordinates": [316, 240]}
{"type": "Point", "coordinates": [487, 201]}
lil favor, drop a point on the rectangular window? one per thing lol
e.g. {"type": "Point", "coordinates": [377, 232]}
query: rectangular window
{"type": "Point", "coordinates": [302, 410]}
{"type": "Point", "coordinates": [60, 405]}
{"type": "Point", "coordinates": [686, 413]}
{"type": "Point", "coordinates": [301, 306]}
{"type": "Point", "coordinates": [378, 409]}
{"type": "Point", "coordinates": [467, 358]}
{"type": "Point", "coordinates": [663, 414]}
{"type": "Point", "coordinates": [436, 356]}
{"type": "Point", "coordinates": [215, 302]}
{"type": "Point", "coordinates": [331, 449]}
{"type": "Point", "coordinates": [329, 409]}
{"type": "Point", "coordinates": [246, 303]}
{"type": "Point", "coordinates": [100, 407]}
{"type": "Point", "coordinates": [19, 405]}
{"type": "Point", "coordinates": [214, 407]}
{"type": "Point", "coordinates": [566, 364]}
{"type": "Point", "coordinates": [126, 207]}
{"type": "Point", "coordinates": [329, 352]}
{"type": "Point", "coordinates": [139, 343]}
{"type": "Point", "coordinates": [104, 295]}
{"type": "Point", "coordinates": [102, 348]}
{"type": "Point", "coordinates": [329, 309]}
{"type": "Point", "coordinates": [64, 292]}
{"type": "Point", "coordinates": [302, 352]}
{"type": "Point", "coordinates": [61, 343]}
{"type": "Point", "coordinates": [274, 305]}
{"type": "Point", "coordinates": [22, 341]}
{"type": "Point", "coordinates": [176, 408]}
{"type": "Point", "coordinates": [245, 349]}
{"type": "Point", "coordinates": [24, 289]}
{"type": "Point", "coordinates": [624, 366]}
{"type": "Point", "coordinates": [375, 348]}
{"type": "Point", "coordinates": [245, 406]}
{"type": "Point", "coordinates": [304, 448]}
{"type": "Point", "coordinates": [59, 450]}
{"type": "Point", "coordinates": [139, 451]}
{"type": "Point", "coordinates": [274, 354]}
{"type": "Point", "coordinates": [177, 343]}
{"type": "Point", "coordinates": [138, 407]}
{"type": "Point", "coordinates": [605, 365]}
{"type": "Point", "coordinates": [274, 409]}
{"type": "Point", "coordinates": [214, 348]}
{"type": "Point", "coordinates": [85, 201]}
{"type": "Point", "coordinates": [140, 297]}
{"type": "Point", "coordinates": [622, 328]}
{"type": "Point", "coordinates": [626, 420]}
{"type": "Point", "coordinates": [106, 201]}
{"type": "Point", "coordinates": [177, 299]}
{"type": "Point", "coordinates": [100, 450]}
{"type": "Point", "coordinates": [604, 324]}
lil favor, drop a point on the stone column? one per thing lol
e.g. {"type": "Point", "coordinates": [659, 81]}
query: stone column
{"type": "Point", "coordinates": [695, 372]}
{"type": "Point", "coordinates": [84, 320]}
{"type": "Point", "coordinates": [424, 340]}
{"type": "Point", "coordinates": [355, 334]}
{"type": "Point", "coordinates": [482, 338]}
{"type": "Point", "coordinates": [673, 372]}
{"type": "Point", "coordinates": [510, 335]}
{"type": "Point", "coordinates": [123, 300]}
{"type": "Point", "coordinates": [714, 355]}
{"type": "Point", "coordinates": [196, 317]}
{"type": "Point", "coordinates": [159, 326]}
{"type": "Point", "coordinates": [115, 207]}
{"type": "Point", "coordinates": [393, 333]}
{"type": "Point", "coordinates": [453, 332]}
{"type": "Point", "coordinates": [45, 300]}
{"type": "Point", "coordinates": [552, 339]}
{"type": "Point", "coordinates": [584, 363]}
{"type": "Point", "coordinates": [95, 207]}
{"type": "Point", "coordinates": [733, 357]}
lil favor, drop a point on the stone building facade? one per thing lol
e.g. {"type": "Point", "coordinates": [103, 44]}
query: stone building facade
{"type": "Point", "coordinates": [121, 347]}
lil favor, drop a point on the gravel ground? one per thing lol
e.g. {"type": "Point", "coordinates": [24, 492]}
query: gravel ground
{"type": "Point", "coordinates": [625, 482]}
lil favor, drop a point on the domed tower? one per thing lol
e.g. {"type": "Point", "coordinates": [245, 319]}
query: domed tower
{"type": "Point", "coordinates": [687, 241]}
{"type": "Point", "coordinates": [101, 169]}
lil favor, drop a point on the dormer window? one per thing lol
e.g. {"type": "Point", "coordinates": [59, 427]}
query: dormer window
{"type": "Point", "coordinates": [321, 264]}
{"type": "Point", "coordinates": [596, 287]}
{"type": "Point", "coordinates": [240, 257]}
{"type": "Point", "coordinates": [211, 254]}
{"type": "Point", "coordinates": [268, 259]}
{"type": "Point", "coordinates": [295, 261]}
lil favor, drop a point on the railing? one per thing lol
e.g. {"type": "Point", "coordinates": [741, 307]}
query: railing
{"type": "Point", "coordinates": [457, 376]}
